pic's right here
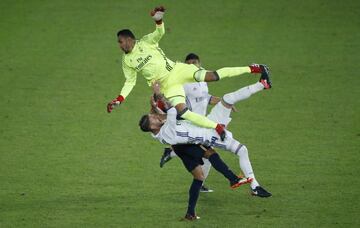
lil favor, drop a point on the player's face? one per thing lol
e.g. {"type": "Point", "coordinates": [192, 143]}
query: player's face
{"type": "Point", "coordinates": [156, 121]}
{"type": "Point", "coordinates": [126, 44]}
{"type": "Point", "coordinates": [196, 62]}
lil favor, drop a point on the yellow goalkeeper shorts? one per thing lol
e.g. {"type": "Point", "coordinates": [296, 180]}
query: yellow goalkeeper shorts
{"type": "Point", "coordinates": [173, 86]}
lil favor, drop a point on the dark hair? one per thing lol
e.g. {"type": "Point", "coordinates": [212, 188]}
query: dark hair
{"type": "Point", "coordinates": [144, 123]}
{"type": "Point", "coordinates": [126, 33]}
{"type": "Point", "coordinates": [192, 56]}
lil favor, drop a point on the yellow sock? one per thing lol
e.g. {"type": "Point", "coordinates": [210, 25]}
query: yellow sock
{"type": "Point", "coordinates": [198, 119]}
{"type": "Point", "coordinates": [232, 71]}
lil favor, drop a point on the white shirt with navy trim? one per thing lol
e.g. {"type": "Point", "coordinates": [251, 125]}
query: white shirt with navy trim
{"type": "Point", "coordinates": [183, 132]}
{"type": "Point", "coordinates": [197, 97]}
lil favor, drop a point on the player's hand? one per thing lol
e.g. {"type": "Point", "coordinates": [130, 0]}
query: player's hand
{"type": "Point", "coordinates": [114, 103]}
{"type": "Point", "coordinates": [157, 14]}
{"type": "Point", "coordinates": [156, 87]}
{"type": "Point", "coordinates": [152, 101]}
{"type": "Point", "coordinates": [220, 129]}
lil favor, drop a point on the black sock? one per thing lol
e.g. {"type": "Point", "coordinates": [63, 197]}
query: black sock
{"type": "Point", "coordinates": [194, 195]}
{"type": "Point", "coordinates": [221, 167]}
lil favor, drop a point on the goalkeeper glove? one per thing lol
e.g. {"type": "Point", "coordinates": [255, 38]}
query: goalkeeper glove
{"type": "Point", "coordinates": [220, 129]}
{"type": "Point", "coordinates": [114, 103]}
{"type": "Point", "coordinates": [157, 14]}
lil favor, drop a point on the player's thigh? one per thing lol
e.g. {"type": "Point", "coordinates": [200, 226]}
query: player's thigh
{"type": "Point", "coordinates": [190, 154]}
{"type": "Point", "coordinates": [189, 162]}
{"type": "Point", "coordinates": [175, 94]}
{"type": "Point", "coordinates": [193, 150]}
{"type": "Point", "coordinates": [186, 73]}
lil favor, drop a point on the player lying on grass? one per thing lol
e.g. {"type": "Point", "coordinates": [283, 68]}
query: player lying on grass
{"type": "Point", "coordinates": [168, 130]}
{"type": "Point", "coordinates": [192, 156]}
{"type": "Point", "coordinates": [146, 57]}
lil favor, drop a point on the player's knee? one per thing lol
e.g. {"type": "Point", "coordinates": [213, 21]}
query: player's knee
{"type": "Point", "coordinates": [198, 173]}
{"type": "Point", "coordinates": [211, 76]}
{"type": "Point", "coordinates": [181, 110]}
{"type": "Point", "coordinates": [226, 104]}
{"type": "Point", "coordinates": [208, 153]}
{"type": "Point", "coordinates": [242, 151]}
{"type": "Point", "coordinates": [199, 177]}
{"type": "Point", "coordinates": [180, 107]}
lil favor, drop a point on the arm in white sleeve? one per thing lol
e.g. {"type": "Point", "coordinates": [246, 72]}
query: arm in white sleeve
{"type": "Point", "coordinates": [171, 117]}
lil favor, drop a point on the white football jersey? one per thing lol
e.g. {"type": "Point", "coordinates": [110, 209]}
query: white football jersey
{"type": "Point", "coordinates": [197, 97]}
{"type": "Point", "coordinates": [183, 132]}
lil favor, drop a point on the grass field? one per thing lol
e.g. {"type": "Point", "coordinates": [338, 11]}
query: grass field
{"type": "Point", "coordinates": [65, 162]}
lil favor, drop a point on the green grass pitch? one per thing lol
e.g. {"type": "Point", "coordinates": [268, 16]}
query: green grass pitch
{"type": "Point", "coordinates": [65, 162]}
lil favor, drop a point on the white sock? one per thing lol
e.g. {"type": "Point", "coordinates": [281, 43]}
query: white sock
{"type": "Point", "coordinates": [244, 161]}
{"type": "Point", "coordinates": [206, 168]}
{"type": "Point", "coordinates": [172, 154]}
{"type": "Point", "coordinates": [243, 93]}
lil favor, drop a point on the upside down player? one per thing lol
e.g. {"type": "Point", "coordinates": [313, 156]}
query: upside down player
{"type": "Point", "coordinates": [145, 56]}
{"type": "Point", "coordinates": [193, 157]}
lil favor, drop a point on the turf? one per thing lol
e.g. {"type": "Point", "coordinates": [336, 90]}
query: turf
{"type": "Point", "coordinates": [65, 162]}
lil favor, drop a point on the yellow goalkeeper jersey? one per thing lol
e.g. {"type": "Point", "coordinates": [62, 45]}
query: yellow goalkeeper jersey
{"type": "Point", "coordinates": [146, 58]}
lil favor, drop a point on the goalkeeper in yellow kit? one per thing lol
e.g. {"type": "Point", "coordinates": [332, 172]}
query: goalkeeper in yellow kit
{"type": "Point", "coordinates": [145, 56]}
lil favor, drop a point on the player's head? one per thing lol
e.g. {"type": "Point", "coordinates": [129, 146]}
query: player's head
{"type": "Point", "coordinates": [193, 59]}
{"type": "Point", "coordinates": [126, 40]}
{"type": "Point", "coordinates": [151, 122]}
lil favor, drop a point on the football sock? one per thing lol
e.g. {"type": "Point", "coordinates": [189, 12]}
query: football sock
{"type": "Point", "coordinates": [193, 195]}
{"type": "Point", "coordinates": [222, 168]}
{"type": "Point", "coordinates": [245, 165]}
{"type": "Point", "coordinates": [173, 154]}
{"type": "Point", "coordinates": [244, 161]}
{"type": "Point", "coordinates": [232, 71]}
{"type": "Point", "coordinates": [198, 119]}
{"type": "Point", "coordinates": [206, 167]}
{"type": "Point", "coordinates": [243, 93]}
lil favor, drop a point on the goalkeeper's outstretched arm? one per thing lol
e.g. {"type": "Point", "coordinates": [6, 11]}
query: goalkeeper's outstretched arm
{"type": "Point", "coordinates": [154, 37]}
